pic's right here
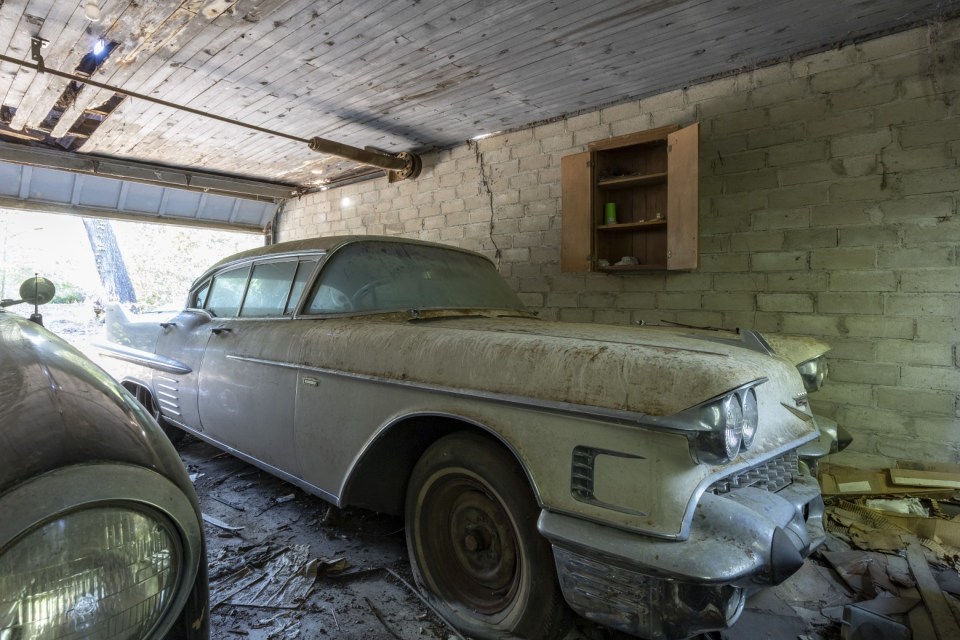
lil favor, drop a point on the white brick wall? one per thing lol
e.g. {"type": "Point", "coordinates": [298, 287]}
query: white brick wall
{"type": "Point", "coordinates": [829, 194]}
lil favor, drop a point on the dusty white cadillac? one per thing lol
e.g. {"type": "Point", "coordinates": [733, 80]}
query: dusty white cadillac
{"type": "Point", "coordinates": [647, 478]}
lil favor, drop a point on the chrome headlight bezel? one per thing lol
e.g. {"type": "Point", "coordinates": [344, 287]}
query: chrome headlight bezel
{"type": "Point", "coordinates": [813, 372]}
{"type": "Point", "coordinates": [63, 492]}
{"type": "Point", "coordinates": [726, 424]}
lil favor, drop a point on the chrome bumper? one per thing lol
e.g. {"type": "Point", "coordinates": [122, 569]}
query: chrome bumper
{"type": "Point", "coordinates": [665, 589]}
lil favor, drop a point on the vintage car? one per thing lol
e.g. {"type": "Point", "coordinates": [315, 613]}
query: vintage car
{"type": "Point", "coordinates": [100, 529]}
{"type": "Point", "coordinates": [648, 478]}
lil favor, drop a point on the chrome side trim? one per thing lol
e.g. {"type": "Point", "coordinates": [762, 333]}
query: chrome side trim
{"type": "Point", "coordinates": [144, 358]}
{"type": "Point", "coordinates": [283, 475]}
{"type": "Point", "coordinates": [619, 416]}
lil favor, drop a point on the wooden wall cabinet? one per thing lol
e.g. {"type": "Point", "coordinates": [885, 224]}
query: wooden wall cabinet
{"type": "Point", "coordinates": [652, 179]}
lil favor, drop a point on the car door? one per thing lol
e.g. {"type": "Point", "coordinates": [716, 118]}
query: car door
{"type": "Point", "coordinates": [248, 376]}
{"type": "Point", "coordinates": [184, 340]}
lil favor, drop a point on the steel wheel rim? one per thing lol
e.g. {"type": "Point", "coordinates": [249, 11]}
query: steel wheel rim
{"type": "Point", "coordinates": [468, 532]}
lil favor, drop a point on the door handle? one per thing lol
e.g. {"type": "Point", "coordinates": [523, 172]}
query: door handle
{"type": "Point", "coordinates": [167, 325]}
{"type": "Point", "coordinates": [219, 330]}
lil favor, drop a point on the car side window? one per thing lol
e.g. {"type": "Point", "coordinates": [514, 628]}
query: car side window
{"type": "Point", "coordinates": [269, 287]}
{"type": "Point", "coordinates": [199, 298]}
{"type": "Point", "coordinates": [304, 270]}
{"type": "Point", "coordinates": [226, 292]}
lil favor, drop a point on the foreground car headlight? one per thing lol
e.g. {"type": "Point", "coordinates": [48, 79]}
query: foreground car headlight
{"type": "Point", "coordinates": [96, 573]}
{"type": "Point", "coordinates": [813, 372]}
{"type": "Point", "coordinates": [101, 551]}
{"type": "Point", "coordinates": [727, 424]}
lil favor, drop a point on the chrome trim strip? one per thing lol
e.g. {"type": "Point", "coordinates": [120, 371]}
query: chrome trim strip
{"type": "Point", "coordinates": [283, 475]}
{"type": "Point", "coordinates": [144, 358]}
{"type": "Point", "coordinates": [620, 416]}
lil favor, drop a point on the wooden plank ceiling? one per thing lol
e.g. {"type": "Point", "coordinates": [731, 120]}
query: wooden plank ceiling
{"type": "Point", "coordinates": [397, 75]}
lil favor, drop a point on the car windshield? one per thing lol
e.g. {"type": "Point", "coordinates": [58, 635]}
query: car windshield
{"type": "Point", "coordinates": [385, 276]}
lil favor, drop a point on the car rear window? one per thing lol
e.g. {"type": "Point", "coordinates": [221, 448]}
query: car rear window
{"type": "Point", "coordinates": [384, 276]}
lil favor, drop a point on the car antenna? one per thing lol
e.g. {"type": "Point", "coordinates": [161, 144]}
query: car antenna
{"type": "Point", "coordinates": [36, 316]}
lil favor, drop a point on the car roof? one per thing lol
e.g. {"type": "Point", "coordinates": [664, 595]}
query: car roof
{"type": "Point", "coordinates": [319, 245]}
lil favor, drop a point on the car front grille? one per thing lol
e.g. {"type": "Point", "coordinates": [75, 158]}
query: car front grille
{"type": "Point", "coordinates": [772, 475]}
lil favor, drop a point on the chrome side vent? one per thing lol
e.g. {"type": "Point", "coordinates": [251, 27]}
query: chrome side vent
{"type": "Point", "coordinates": [771, 475]}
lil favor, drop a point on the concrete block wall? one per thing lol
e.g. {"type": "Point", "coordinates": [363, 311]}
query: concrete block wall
{"type": "Point", "coordinates": [829, 192]}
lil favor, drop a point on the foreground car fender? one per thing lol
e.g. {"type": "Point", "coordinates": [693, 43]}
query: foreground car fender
{"type": "Point", "coordinates": [100, 518]}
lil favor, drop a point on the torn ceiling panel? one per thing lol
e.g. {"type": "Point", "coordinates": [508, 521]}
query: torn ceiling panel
{"type": "Point", "coordinates": [398, 75]}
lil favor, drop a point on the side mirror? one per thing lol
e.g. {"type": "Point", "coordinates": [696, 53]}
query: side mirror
{"type": "Point", "coordinates": [35, 291]}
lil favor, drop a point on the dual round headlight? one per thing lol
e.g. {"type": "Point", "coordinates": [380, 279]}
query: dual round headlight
{"type": "Point", "coordinates": [728, 423]}
{"type": "Point", "coordinates": [813, 372]}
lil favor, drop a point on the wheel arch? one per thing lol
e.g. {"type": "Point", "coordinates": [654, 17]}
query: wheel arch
{"type": "Point", "coordinates": [378, 479]}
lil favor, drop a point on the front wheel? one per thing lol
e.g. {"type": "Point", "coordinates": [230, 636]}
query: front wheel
{"type": "Point", "coordinates": [471, 528]}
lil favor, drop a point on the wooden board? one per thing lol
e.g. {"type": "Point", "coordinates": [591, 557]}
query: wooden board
{"type": "Point", "coordinates": [577, 232]}
{"type": "Point", "coordinates": [683, 198]}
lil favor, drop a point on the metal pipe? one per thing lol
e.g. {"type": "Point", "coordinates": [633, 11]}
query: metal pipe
{"type": "Point", "coordinates": [403, 165]}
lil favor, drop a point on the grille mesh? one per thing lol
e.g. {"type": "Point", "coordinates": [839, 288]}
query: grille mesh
{"type": "Point", "coordinates": [772, 475]}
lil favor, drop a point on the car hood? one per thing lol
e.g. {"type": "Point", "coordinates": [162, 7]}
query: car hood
{"type": "Point", "coordinates": [637, 369]}
{"type": "Point", "coordinates": [57, 409]}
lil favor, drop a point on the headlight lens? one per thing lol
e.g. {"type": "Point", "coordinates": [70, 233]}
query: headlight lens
{"type": "Point", "coordinates": [751, 417]}
{"type": "Point", "coordinates": [724, 418]}
{"type": "Point", "coordinates": [103, 572]}
{"type": "Point", "coordinates": [813, 372]}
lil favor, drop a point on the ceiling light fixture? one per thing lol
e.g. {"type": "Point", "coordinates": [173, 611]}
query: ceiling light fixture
{"type": "Point", "coordinates": [99, 47]}
{"type": "Point", "coordinates": [91, 11]}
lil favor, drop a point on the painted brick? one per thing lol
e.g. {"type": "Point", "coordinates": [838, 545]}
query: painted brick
{"type": "Point", "coordinates": [812, 172]}
{"type": "Point", "coordinates": [869, 280]}
{"type": "Point", "coordinates": [857, 166]}
{"type": "Point", "coordinates": [849, 302]}
{"type": "Point", "coordinates": [798, 196]}
{"type": "Point", "coordinates": [923, 135]}
{"type": "Point", "coordinates": [916, 257]}
{"type": "Point", "coordinates": [583, 121]}
{"type": "Point", "coordinates": [756, 241]}
{"type": "Point", "coordinates": [867, 188]}
{"type": "Point", "coordinates": [842, 78]}
{"type": "Point", "coordinates": [683, 115]}
{"type": "Point", "coordinates": [921, 304]}
{"type": "Point", "coordinates": [894, 45]}
{"type": "Point", "coordinates": [926, 280]}
{"type": "Point", "coordinates": [586, 136]}
{"type": "Point", "coordinates": [860, 143]}
{"type": "Point", "coordinates": [631, 125]}
{"type": "Point", "coordinates": [678, 300]}
{"type": "Point", "coordinates": [576, 315]}
{"type": "Point", "coordinates": [797, 281]}
{"type": "Point", "coordinates": [875, 236]}
{"type": "Point", "coordinates": [729, 103]}
{"type": "Point", "coordinates": [838, 215]}
{"type": "Point", "coordinates": [847, 393]}
{"type": "Point", "coordinates": [852, 349]}
{"type": "Point", "coordinates": [689, 282]}
{"type": "Point", "coordinates": [738, 162]}
{"type": "Point", "coordinates": [649, 282]}
{"type": "Point", "coordinates": [620, 112]}
{"type": "Point", "coordinates": [943, 230]}
{"type": "Point", "coordinates": [738, 122]}
{"type": "Point", "coordinates": [751, 181]}
{"type": "Point", "coordinates": [772, 220]}
{"type": "Point", "coordinates": [889, 423]}
{"type": "Point", "coordinates": [841, 101]}
{"type": "Point", "coordinates": [719, 263]}
{"type": "Point", "coordinates": [828, 259]}
{"type": "Point", "coordinates": [938, 378]}
{"type": "Point", "coordinates": [729, 301]}
{"type": "Point", "coordinates": [780, 261]}
{"type": "Point", "coordinates": [771, 136]}
{"type": "Point", "coordinates": [804, 110]}
{"type": "Point", "coordinates": [915, 353]}
{"type": "Point", "coordinates": [812, 325]}
{"type": "Point", "coordinates": [787, 302]}
{"type": "Point", "coordinates": [796, 239]}
{"type": "Point", "coordinates": [864, 372]}
{"type": "Point", "coordinates": [611, 316]}
{"type": "Point", "coordinates": [740, 282]}
{"type": "Point", "coordinates": [878, 327]}
{"type": "Point", "coordinates": [714, 89]}
{"type": "Point", "coordinates": [636, 301]}
{"type": "Point", "coordinates": [910, 111]}
{"type": "Point", "coordinates": [930, 181]}
{"type": "Point", "coordinates": [841, 124]}
{"type": "Point", "coordinates": [807, 151]}
{"type": "Point", "coordinates": [901, 160]}
{"type": "Point", "coordinates": [556, 143]}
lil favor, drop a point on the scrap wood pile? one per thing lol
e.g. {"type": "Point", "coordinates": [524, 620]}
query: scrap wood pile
{"type": "Point", "coordinates": [895, 541]}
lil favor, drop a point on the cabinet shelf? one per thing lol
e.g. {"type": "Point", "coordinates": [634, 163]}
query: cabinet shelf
{"type": "Point", "coordinates": [632, 226]}
{"type": "Point", "coordinates": [639, 177]}
{"type": "Point", "coordinates": [636, 180]}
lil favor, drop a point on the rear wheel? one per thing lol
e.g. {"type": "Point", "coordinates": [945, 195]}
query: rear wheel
{"type": "Point", "coordinates": [145, 398]}
{"type": "Point", "coordinates": [473, 542]}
